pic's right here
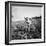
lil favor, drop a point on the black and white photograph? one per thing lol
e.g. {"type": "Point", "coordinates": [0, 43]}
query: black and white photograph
{"type": "Point", "coordinates": [24, 22]}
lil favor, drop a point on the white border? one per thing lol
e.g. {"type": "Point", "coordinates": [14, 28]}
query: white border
{"type": "Point", "coordinates": [9, 21]}
{"type": "Point", "coordinates": [29, 40]}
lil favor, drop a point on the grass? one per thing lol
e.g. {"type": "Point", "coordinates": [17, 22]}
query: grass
{"type": "Point", "coordinates": [23, 31]}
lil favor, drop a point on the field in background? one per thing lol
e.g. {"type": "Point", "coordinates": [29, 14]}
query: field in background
{"type": "Point", "coordinates": [20, 30]}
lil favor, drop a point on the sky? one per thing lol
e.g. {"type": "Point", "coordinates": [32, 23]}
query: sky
{"type": "Point", "coordinates": [19, 12]}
